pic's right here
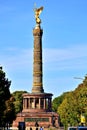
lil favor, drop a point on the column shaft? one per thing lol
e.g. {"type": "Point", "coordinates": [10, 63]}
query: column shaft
{"type": "Point", "coordinates": [37, 63]}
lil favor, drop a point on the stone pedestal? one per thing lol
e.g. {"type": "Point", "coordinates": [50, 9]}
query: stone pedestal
{"type": "Point", "coordinates": [37, 108]}
{"type": "Point", "coordinates": [44, 119]}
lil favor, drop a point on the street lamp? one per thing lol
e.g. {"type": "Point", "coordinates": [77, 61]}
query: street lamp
{"type": "Point", "coordinates": [78, 78]}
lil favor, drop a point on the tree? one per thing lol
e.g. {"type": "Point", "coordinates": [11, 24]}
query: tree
{"type": "Point", "coordinates": [81, 92]}
{"type": "Point", "coordinates": [68, 110]}
{"type": "Point", "coordinates": [18, 100]}
{"type": "Point", "coordinates": [7, 112]}
{"type": "Point", "coordinates": [57, 101]}
{"type": "Point", "coordinates": [74, 105]}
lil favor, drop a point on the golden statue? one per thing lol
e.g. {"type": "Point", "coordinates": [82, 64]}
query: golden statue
{"type": "Point", "coordinates": [37, 13]}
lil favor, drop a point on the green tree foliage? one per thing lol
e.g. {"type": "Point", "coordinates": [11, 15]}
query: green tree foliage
{"type": "Point", "coordinates": [82, 97]}
{"type": "Point", "coordinates": [7, 111]}
{"type": "Point", "coordinates": [57, 101]}
{"type": "Point", "coordinates": [73, 105]}
{"type": "Point", "coordinates": [68, 110]}
{"type": "Point", "coordinates": [18, 100]}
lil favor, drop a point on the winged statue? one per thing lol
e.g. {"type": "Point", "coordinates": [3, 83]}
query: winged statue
{"type": "Point", "coordinates": [37, 13]}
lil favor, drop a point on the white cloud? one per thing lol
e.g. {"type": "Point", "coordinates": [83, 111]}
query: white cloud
{"type": "Point", "coordinates": [73, 57]}
{"type": "Point", "coordinates": [59, 67]}
{"type": "Point", "coordinates": [16, 59]}
{"type": "Point", "coordinates": [55, 59]}
{"type": "Point", "coordinates": [72, 52]}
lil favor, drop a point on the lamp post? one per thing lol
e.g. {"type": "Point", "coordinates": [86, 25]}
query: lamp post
{"type": "Point", "coordinates": [78, 78]}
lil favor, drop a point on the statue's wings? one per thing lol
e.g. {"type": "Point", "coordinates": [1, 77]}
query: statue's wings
{"type": "Point", "coordinates": [38, 11]}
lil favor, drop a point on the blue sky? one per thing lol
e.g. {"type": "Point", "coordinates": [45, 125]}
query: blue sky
{"type": "Point", "coordinates": [64, 24]}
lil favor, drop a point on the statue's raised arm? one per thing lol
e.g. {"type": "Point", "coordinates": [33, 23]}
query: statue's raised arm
{"type": "Point", "coordinates": [37, 13]}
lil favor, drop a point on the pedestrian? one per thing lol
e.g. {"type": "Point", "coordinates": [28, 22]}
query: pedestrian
{"type": "Point", "coordinates": [36, 124]}
{"type": "Point", "coordinates": [30, 128]}
{"type": "Point", "coordinates": [36, 128]}
{"type": "Point", "coordinates": [41, 128]}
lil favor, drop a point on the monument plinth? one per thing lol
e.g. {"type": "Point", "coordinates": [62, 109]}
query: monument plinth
{"type": "Point", "coordinates": [37, 105]}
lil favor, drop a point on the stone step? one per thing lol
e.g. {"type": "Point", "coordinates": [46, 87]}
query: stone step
{"type": "Point", "coordinates": [34, 128]}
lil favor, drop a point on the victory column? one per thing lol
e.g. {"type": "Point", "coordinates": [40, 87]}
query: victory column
{"type": "Point", "coordinates": [37, 105]}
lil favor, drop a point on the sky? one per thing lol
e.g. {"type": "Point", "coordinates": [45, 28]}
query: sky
{"type": "Point", "coordinates": [64, 41]}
